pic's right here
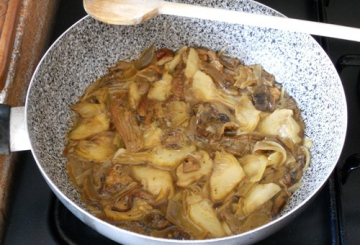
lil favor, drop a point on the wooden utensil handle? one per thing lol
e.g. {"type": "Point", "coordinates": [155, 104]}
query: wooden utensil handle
{"type": "Point", "coordinates": [237, 17]}
{"type": "Point", "coordinates": [9, 10]}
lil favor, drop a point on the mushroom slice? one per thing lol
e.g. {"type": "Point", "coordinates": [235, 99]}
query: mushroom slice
{"type": "Point", "coordinates": [90, 126]}
{"type": "Point", "coordinates": [201, 213]}
{"type": "Point", "coordinates": [158, 182]}
{"type": "Point", "coordinates": [246, 114]}
{"type": "Point", "coordinates": [254, 166]}
{"type": "Point", "coordinates": [126, 124]}
{"type": "Point", "coordinates": [228, 62]}
{"type": "Point", "coordinates": [139, 209]}
{"type": "Point", "coordinates": [258, 196]}
{"type": "Point", "coordinates": [161, 89]}
{"type": "Point", "coordinates": [226, 175]}
{"type": "Point", "coordinates": [277, 158]}
{"type": "Point", "coordinates": [282, 124]}
{"type": "Point", "coordinates": [185, 178]}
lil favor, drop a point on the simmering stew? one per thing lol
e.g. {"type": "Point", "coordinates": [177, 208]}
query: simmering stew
{"type": "Point", "coordinates": [190, 144]}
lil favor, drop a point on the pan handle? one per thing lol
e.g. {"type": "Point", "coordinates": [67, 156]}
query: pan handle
{"type": "Point", "coordinates": [352, 163]}
{"type": "Point", "coordinates": [13, 132]}
{"type": "Point", "coordinates": [4, 129]}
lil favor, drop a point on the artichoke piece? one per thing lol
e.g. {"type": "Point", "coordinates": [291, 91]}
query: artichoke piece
{"type": "Point", "coordinates": [170, 66]}
{"type": "Point", "coordinates": [176, 214]}
{"type": "Point", "coordinates": [168, 158]}
{"type": "Point", "coordinates": [99, 149]}
{"type": "Point", "coordinates": [245, 77]}
{"type": "Point", "coordinates": [187, 178]}
{"type": "Point", "coordinates": [258, 196]}
{"type": "Point", "coordinates": [90, 126]}
{"type": "Point", "coordinates": [178, 112]}
{"type": "Point", "coordinates": [275, 159]}
{"type": "Point", "coordinates": [282, 124]}
{"type": "Point", "coordinates": [216, 75]}
{"type": "Point", "coordinates": [192, 63]}
{"type": "Point", "coordinates": [122, 156]}
{"type": "Point", "coordinates": [214, 60]}
{"type": "Point", "coordinates": [150, 74]}
{"type": "Point", "coordinates": [255, 220]}
{"type": "Point", "coordinates": [205, 90]}
{"type": "Point", "coordinates": [158, 182]}
{"type": "Point", "coordinates": [161, 89]}
{"type": "Point", "coordinates": [306, 152]}
{"type": "Point", "coordinates": [134, 95]}
{"type": "Point", "coordinates": [117, 178]}
{"type": "Point", "coordinates": [246, 114]}
{"type": "Point", "coordinates": [139, 209]}
{"type": "Point", "coordinates": [226, 175]}
{"type": "Point", "coordinates": [152, 136]}
{"type": "Point", "coordinates": [201, 213]}
{"type": "Point", "coordinates": [89, 190]}
{"type": "Point", "coordinates": [78, 171]}
{"type": "Point", "coordinates": [159, 157]}
{"type": "Point", "coordinates": [123, 71]}
{"type": "Point", "coordinates": [126, 124]}
{"type": "Point", "coordinates": [146, 58]}
{"type": "Point", "coordinates": [88, 110]}
{"type": "Point", "coordinates": [163, 56]}
{"type": "Point", "coordinates": [254, 166]}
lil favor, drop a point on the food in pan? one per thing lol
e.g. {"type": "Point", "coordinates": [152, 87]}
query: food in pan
{"type": "Point", "coordinates": [190, 144]}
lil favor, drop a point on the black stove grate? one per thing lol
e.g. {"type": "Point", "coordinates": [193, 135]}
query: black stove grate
{"type": "Point", "coordinates": [341, 173]}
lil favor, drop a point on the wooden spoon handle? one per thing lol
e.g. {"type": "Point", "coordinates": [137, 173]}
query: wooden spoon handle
{"type": "Point", "coordinates": [237, 17]}
{"type": "Point", "coordinates": [130, 12]}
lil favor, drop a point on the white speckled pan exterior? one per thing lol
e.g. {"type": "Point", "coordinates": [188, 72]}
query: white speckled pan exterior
{"type": "Point", "coordinates": [85, 51]}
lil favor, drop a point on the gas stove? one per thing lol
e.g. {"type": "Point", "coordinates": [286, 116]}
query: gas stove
{"type": "Point", "coordinates": [37, 216]}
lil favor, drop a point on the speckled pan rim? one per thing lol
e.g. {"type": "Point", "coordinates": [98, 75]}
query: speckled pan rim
{"type": "Point", "coordinates": [85, 213]}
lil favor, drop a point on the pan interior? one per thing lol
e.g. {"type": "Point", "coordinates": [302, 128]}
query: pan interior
{"type": "Point", "coordinates": [83, 54]}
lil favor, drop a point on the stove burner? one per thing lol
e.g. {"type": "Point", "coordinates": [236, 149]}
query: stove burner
{"type": "Point", "coordinates": [74, 232]}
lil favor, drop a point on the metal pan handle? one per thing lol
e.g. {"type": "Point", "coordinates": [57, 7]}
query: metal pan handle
{"type": "Point", "coordinates": [13, 132]}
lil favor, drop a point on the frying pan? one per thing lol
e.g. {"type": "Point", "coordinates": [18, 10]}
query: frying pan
{"type": "Point", "coordinates": [83, 53]}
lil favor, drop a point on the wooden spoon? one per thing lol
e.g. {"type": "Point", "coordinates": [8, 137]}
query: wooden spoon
{"type": "Point", "coordinates": [130, 12]}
